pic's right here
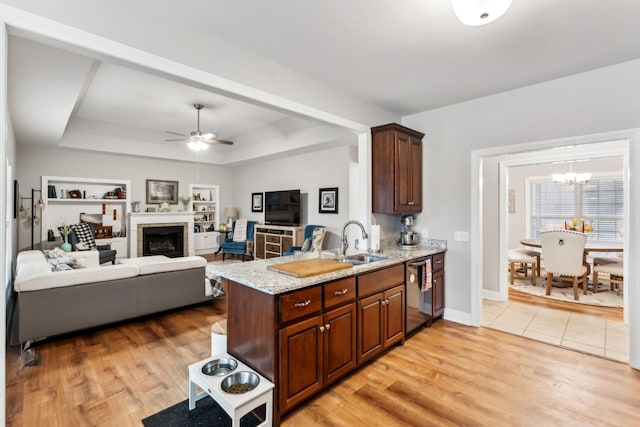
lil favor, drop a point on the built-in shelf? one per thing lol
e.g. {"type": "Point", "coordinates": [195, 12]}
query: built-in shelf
{"type": "Point", "coordinates": [67, 198]}
{"type": "Point", "coordinates": [205, 204]}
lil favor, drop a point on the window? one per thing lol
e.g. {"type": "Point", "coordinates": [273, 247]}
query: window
{"type": "Point", "coordinates": [600, 201]}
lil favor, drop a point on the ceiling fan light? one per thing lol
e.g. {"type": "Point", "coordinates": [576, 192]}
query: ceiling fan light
{"type": "Point", "coordinates": [479, 12]}
{"type": "Point", "coordinates": [197, 145]}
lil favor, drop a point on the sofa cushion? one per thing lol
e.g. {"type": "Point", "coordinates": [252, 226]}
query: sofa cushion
{"type": "Point", "coordinates": [161, 263]}
{"type": "Point", "coordinates": [34, 273]}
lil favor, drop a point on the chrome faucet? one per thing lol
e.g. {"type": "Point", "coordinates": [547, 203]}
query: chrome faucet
{"type": "Point", "coordinates": [345, 243]}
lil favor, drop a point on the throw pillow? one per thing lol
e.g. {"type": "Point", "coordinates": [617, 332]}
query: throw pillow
{"type": "Point", "coordinates": [62, 264]}
{"type": "Point", "coordinates": [55, 253]}
{"type": "Point", "coordinates": [306, 245]}
{"type": "Point", "coordinates": [83, 233]}
{"type": "Point", "coordinates": [82, 246]}
{"type": "Point", "coordinates": [318, 237]}
{"type": "Point", "coordinates": [240, 230]}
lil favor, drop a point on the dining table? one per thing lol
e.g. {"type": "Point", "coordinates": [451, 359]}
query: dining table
{"type": "Point", "coordinates": [589, 246]}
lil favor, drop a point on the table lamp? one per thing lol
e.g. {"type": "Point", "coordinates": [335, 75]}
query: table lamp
{"type": "Point", "coordinates": [231, 214]}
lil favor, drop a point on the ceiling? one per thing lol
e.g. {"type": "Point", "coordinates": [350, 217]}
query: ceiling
{"type": "Point", "coordinates": [402, 57]}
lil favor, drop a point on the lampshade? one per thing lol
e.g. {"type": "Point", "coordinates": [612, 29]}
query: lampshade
{"type": "Point", "coordinates": [479, 12]}
{"type": "Point", "coordinates": [231, 212]}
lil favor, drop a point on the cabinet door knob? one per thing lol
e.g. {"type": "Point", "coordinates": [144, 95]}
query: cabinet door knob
{"type": "Point", "coordinates": [302, 304]}
{"type": "Point", "coordinates": [328, 326]}
{"type": "Point", "coordinates": [321, 328]}
{"type": "Point", "coordinates": [340, 292]}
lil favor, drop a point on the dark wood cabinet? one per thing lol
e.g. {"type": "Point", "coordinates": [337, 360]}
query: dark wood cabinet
{"type": "Point", "coordinates": [434, 303]}
{"type": "Point", "coordinates": [339, 342]}
{"type": "Point", "coordinates": [396, 169]}
{"type": "Point", "coordinates": [309, 338]}
{"type": "Point", "coordinates": [370, 341]}
{"type": "Point", "coordinates": [315, 352]}
{"type": "Point", "coordinates": [380, 322]}
{"type": "Point", "coordinates": [301, 360]}
{"type": "Point", "coordinates": [381, 308]}
{"type": "Point", "coordinates": [393, 312]}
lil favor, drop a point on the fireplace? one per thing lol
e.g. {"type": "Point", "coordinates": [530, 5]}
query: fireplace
{"type": "Point", "coordinates": [164, 240]}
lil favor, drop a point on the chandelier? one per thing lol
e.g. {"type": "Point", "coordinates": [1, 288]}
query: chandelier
{"type": "Point", "coordinates": [479, 12]}
{"type": "Point", "coordinates": [571, 177]}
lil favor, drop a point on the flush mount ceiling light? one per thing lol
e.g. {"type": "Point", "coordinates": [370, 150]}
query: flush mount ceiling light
{"type": "Point", "coordinates": [479, 12]}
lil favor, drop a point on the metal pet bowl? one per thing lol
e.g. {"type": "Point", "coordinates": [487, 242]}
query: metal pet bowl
{"type": "Point", "coordinates": [240, 382]}
{"type": "Point", "coordinates": [219, 367]}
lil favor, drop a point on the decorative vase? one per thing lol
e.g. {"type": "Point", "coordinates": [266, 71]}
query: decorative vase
{"type": "Point", "coordinates": [66, 246]}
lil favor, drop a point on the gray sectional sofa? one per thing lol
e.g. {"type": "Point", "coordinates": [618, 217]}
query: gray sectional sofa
{"type": "Point", "coordinates": [55, 302]}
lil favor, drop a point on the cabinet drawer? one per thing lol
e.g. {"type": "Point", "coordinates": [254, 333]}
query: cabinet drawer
{"type": "Point", "coordinates": [300, 304]}
{"type": "Point", "coordinates": [270, 247]}
{"type": "Point", "coordinates": [273, 239]}
{"type": "Point", "coordinates": [338, 292]}
{"type": "Point", "coordinates": [369, 284]}
{"type": "Point", "coordinates": [437, 262]}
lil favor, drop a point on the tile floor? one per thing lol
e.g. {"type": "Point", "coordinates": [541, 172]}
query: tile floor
{"type": "Point", "coordinates": [580, 332]}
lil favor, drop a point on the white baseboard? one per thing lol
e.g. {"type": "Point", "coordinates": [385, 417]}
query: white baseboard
{"type": "Point", "coordinates": [457, 316]}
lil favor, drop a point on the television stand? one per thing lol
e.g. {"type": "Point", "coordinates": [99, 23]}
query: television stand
{"type": "Point", "coordinates": [271, 241]}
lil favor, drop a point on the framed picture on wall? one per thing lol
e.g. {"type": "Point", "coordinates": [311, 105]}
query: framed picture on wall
{"type": "Point", "coordinates": [162, 191]}
{"type": "Point", "coordinates": [328, 200]}
{"type": "Point", "coordinates": [256, 202]}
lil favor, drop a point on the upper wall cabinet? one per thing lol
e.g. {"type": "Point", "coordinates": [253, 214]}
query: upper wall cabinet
{"type": "Point", "coordinates": [396, 169]}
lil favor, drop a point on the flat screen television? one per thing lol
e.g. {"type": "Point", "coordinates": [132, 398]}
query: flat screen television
{"type": "Point", "coordinates": [282, 207]}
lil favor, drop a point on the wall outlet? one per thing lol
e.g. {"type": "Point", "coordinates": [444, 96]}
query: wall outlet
{"type": "Point", "coordinates": [425, 233]}
{"type": "Point", "coordinates": [461, 236]}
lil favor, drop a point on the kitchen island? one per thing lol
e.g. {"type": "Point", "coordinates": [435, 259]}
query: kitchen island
{"type": "Point", "coordinates": [305, 333]}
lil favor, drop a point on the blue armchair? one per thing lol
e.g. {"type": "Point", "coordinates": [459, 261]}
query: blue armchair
{"type": "Point", "coordinates": [239, 248]}
{"type": "Point", "coordinates": [307, 241]}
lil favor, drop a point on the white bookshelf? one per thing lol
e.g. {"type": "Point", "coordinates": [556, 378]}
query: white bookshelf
{"type": "Point", "coordinates": [205, 204]}
{"type": "Point", "coordinates": [108, 198]}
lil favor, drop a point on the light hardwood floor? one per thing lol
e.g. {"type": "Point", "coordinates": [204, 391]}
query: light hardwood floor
{"type": "Point", "coordinates": [448, 374]}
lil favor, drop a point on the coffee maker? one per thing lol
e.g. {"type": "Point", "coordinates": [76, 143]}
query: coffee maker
{"type": "Point", "coordinates": [408, 238]}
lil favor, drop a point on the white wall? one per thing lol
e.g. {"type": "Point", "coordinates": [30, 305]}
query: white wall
{"type": "Point", "coordinates": [307, 172]}
{"type": "Point", "coordinates": [598, 101]}
{"type": "Point", "coordinates": [33, 162]}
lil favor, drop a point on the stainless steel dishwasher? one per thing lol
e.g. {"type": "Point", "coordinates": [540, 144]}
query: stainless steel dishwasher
{"type": "Point", "coordinates": [417, 300]}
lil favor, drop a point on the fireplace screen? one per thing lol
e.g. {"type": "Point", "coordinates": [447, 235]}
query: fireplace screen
{"type": "Point", "coordinates": [168, 241]}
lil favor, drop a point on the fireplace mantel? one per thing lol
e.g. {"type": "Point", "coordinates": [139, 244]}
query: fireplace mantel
{"type": "Point", "coordinates": [141, 219]}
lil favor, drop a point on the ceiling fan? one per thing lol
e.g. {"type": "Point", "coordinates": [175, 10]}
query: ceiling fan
{"type": "Point", "coordinates": [197, 140]}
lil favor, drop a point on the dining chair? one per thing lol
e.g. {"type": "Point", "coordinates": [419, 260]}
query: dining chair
{"type": "Point", "coordinates": [562, 251]}
{"type": "Point", "coordinates": [526, 259]}
{"type": "Point", "coordinates": [615, 276]}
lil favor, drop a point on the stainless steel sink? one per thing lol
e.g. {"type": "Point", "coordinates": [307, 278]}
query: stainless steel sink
{"type": "Point", "coordinates": [359, 259]}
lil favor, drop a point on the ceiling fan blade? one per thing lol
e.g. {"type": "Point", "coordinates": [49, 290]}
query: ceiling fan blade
{"type": "Point", "coordinates": [181, 139]}
{"type": "Point", "coordinates": [176, 133]}
{"type": "Point", "coordinates": [220, 141]}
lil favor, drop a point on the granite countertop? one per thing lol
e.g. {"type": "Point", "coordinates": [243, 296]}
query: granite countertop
{"type": "Point", "coordinates": [255, 274]}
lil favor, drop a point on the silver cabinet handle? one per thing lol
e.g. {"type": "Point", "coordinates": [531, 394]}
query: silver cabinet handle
{"type": "Point", "coordinates": [341, 292]}
{"type": "Point", "coordinates": [321, 328]}
{"type": "Point", "coordinates": [302, 304]}
{"type": "Point", "coordinates": [328, 326]}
